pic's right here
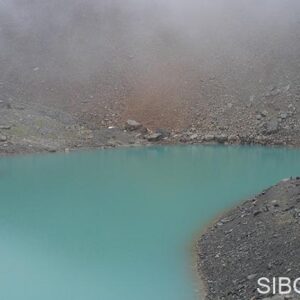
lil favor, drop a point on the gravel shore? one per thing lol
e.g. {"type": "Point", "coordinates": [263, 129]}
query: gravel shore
{"type": "Point", "coordinates": [259, 238]}
{"type": "Point", "coordinates": [30, 129]}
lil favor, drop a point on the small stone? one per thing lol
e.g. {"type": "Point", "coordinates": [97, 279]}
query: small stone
{"type": "Point", "coordinates": [256, 213]}
{"type": "Point", "coordinates": [194, 136]}
{"type": "Point", "coordinates": [3, 138]}
{"type": "Point", "coordinates": [221, 138]}
{"type": "Point", "coordinates": [163, 132]}
{"type": "Point", "coordinates": [208, 137]}
{"type": "Point", "coordinates": [271, 127]}
{"type": "Point", "coordinates": [233, 138]}
{"type": "Point", "coordinates": [251, 277]}
{"type": "Point", "coordinates": [154, 137]}
{"type": "Point", "coordinates": [283, 115]}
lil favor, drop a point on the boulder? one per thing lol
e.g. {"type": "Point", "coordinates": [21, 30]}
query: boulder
{"type": "Point", "coordinates": [132, 125]}
{"type": "Point", "coordinates": [154, 137]}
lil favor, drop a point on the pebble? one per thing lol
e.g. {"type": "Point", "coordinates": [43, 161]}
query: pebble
{"type": "Point", "coordinates": [3, 138]}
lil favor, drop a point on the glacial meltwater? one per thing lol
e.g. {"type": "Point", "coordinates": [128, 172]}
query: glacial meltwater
{"type": "Point", "coordinates": [120, 224]}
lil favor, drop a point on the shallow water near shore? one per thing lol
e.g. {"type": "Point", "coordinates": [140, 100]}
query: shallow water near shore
{"type": "Point", "coordinates": [119, 224]}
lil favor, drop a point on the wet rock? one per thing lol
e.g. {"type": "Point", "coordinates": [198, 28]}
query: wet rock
{"type": "Point", "coordinates": [132, 125]}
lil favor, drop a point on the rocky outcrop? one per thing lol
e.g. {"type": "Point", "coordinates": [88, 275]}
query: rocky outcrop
{"type": "Point", "coordinates": [258, 238]}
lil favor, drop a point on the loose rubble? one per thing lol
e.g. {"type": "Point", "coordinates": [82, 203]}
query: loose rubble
{"type": "Point", "coordinates": [259, 238]}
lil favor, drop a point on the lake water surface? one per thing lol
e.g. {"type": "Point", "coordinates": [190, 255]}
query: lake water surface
{"type": "Point", "coordinates": [119, 224]}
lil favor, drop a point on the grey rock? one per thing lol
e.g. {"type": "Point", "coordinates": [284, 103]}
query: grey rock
{"type": "Point", "coordinates": [7, 127]}
{"type": "Point", "coordinates": [3, 138]}
{"type": "Point", "coordinates": [194, 136]}
{"type": "Point", "coordinates": [271, 127]}
{"type": "Point", "coordinates": [233, 138]}
{"type": "Point", "coordinates": [271, 88]}
{"type": "Point", "coordinates": [132, 125]}
{"type": "Point", "coordinates": [222, 138]}
{"type": "Point", "coordinates": [283, 115]}
{"type": "Point", "coordinates": [208, 137]}
{"type": "Point", "coordinates": [280, 297]}
{"type": "Point", "coordinates": [275, 92]}
{"type": "Point", "coordinates": [154, 137]}
{"type": "Point", "coordinates": [287, 88]}
{"type": "Point", "coordinates": [165, 133]}
{"type": "Point", "coordinates": [245, 139]}
{"type": "Point", "coordinates": [251, 277]}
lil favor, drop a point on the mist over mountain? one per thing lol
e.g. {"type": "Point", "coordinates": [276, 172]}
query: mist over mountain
{"type": "Point", "coordinates": [166, 63]}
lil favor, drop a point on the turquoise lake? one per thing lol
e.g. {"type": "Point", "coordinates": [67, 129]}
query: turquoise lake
{"type": "Point", "coordinates": [120, 224]}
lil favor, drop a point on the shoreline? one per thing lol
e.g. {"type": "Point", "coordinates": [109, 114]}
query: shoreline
{"type": "Point", "coordinates": [200, 278]}
{"type": "Point", "coordinates": [131, 141]}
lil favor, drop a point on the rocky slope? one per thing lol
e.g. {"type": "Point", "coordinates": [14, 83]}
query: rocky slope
{"type": "Point", "coordinates": [259, 238]}
{"type": "Point", "coordinates": [203, 71]}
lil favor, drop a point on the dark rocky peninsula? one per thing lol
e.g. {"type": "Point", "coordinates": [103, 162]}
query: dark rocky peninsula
{"type": "Point", "coordinates": [258, 238]}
